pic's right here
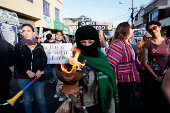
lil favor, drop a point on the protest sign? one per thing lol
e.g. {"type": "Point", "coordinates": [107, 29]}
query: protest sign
{"type": "Point", "coordinates": [57, 53]}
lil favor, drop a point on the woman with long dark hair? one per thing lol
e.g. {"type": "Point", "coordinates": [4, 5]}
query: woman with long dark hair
{"type": "Point", "coordinates": [120, 56]}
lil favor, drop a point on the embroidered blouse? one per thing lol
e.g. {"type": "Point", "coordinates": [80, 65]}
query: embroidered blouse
{"type": "Point", "coordinates": [119, 55]}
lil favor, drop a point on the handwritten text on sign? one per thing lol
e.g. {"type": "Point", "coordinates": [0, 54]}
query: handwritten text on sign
{"type": "Point", "coordinates": [56, 52]}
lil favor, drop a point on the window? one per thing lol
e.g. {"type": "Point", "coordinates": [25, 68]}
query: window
{"type": "Point", "coordinates": [56, 14]}
{"type": "Point", "coordinates": [30, 1]}
{"type": "Point", "coordinates": [139, 16]}
{"type": "Point", "coordinates": [154, 16]}
{"type": "Point", "coordinates": [46, 8]}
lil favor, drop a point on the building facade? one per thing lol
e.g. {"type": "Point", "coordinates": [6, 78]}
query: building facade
{"type": "Point", "coordinates": [138, 23]}
{"type": "Point", "coordinates": [40, 13]}
{"type": "Point", "coordinates": [73, 24]}
{"type": "Point", "coordinates": [157, 10]}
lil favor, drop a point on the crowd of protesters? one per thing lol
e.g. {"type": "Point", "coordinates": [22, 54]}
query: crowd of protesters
{"type": "Point", "coordinates": [112, 67]}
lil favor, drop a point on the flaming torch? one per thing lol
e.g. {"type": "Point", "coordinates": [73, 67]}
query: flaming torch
{"type": "Point", "coordinates": [70, 74]}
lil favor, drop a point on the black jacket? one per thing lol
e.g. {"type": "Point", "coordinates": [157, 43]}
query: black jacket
{"type": "Point", "coordinates": [46, 41]}
{"type": "Point", "coordinates": [5, 63]}
{"type": "Point", "coordinates": [25, 59]}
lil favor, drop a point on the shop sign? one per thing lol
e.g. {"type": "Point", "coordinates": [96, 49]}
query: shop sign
{"type": "Point", "coordinates": [60, 26]}
{"type": "Point", "coordinates": [47, 22]}
{"type": "Point", "coordinates": [105, 26]}
{"type": "Point", "coordinates": [103, 23]}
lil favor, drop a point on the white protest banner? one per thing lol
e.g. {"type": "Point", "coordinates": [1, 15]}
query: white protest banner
{"type": "Point", "coordinates": [56, 52]}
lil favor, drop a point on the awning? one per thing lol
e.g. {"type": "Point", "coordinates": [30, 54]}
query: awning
{"type": "Point", "coordinates": [164, 7]}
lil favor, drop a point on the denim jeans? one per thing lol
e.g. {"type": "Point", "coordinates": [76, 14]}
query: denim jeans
{"type": "Point", "coordinates": [28, 94]}
{"type": "Point", "coordinates": [54, 71]}
{"type": "Point", "coordinates": [48, 71]}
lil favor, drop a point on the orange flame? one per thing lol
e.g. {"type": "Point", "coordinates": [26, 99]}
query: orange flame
{"type": "Point", "coordinates": [74, 62]}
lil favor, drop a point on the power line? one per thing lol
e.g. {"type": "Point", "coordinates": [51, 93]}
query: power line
{"type": "Point", "coordinates": [105, 19]}
{"type": "Point", "coordinates": [96, 6]}
{"type": "Point", "coordinates": [129, 19]}
{"type": "Point", "coordinates": [137, 2]}
{"type": "Point", "coordinates": [105, 4]}
{"type": "Point", "coordinates": [117, 16]}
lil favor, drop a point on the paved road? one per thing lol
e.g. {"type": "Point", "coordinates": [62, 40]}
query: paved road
{"type": "Point", "coordinates": [53, 103]}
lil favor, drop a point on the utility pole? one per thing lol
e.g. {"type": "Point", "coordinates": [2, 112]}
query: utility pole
{"type": "Point", "coordinates": [132, 13]}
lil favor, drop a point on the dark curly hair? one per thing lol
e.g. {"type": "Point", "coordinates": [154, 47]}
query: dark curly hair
{"type": "Point", "coordinates": [152, 23]}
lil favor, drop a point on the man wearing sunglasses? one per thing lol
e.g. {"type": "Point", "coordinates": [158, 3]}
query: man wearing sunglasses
{"type": "Point", "coordinates": [155, 61]}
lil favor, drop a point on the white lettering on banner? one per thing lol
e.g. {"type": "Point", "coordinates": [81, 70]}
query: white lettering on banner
{"type": "Point", "coordinates": [93, 23]}
{"type": "Point", "coordinates": [88, 23]}
{"type": "Point", "coordinates": [83, 23]}
{"type": "Point", "coordinates": [100, 27]}
{"type": "Point", "coordinates": [56, 52]}
{"type": "Point", "coordinates": [105, 26]}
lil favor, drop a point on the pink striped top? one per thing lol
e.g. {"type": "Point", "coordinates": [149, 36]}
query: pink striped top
{"type": "Point", "coordinates": [120, 57]}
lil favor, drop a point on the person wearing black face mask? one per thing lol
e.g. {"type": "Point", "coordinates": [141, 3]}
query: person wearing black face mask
{"type": "Point", "coordinates": [88, 34]}
{"type": "Point", "coordinates": [98, 81]}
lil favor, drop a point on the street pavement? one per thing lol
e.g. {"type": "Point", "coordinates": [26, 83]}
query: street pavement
{"type": "Point", "coordinates": [54, 103]}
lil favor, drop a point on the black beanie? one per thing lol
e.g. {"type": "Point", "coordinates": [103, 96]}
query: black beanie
{"type": "Point", "coordinates": [86, 33]}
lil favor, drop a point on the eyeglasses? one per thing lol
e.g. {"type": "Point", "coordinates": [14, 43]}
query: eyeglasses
{"type": "Point", "coordinates": [153, 28]}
